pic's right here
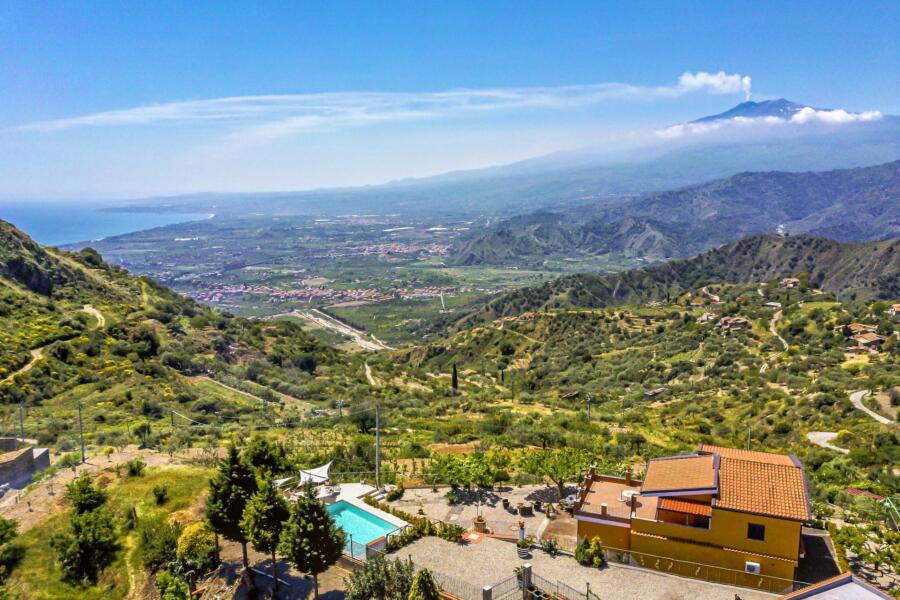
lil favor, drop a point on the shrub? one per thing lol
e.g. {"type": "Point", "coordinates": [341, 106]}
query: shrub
{"type": "Point", "coordinates": [135, 467]}
{"type": "Point", "coordinates": [590, 553]}
{"type": "Point", "coordinates": [423, 587]}
{"type": "Point", "coordinates": [396, 493]}
{"type": "Point", "coordinates": [157, 541]}
{"type": "Point", "coordinates": [160, 494]}
{"type": "Point", "coordinates": [197, 546]}
{"type": "Point", "coordinates": [83, 496]}
{"type": "Point", "coordinates": [172, 587]}
{"type": "Point", "coordinates": [380, 578]}
{"type": "Point", "coordinates": [550, 547]}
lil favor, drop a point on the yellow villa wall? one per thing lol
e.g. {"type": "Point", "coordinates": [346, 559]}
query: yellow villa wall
{"type": "Point", "coordinates": [610, 535]}
{"type": "Point", "coordinates": [729, 530]}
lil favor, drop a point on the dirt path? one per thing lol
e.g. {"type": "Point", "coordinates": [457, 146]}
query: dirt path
{"type": "Point", "coordinates": [775, 318]}
{"type": "Point", "coordinates": [233, 389]}
{"type": "Point", "coordinates": [823, 439]}
{"type": "Point", "coordinates": [856, 399]}
{"type": "Point", "coordinates": [369, 377]}
{"type": "Point", "coordinates": [101, 320]}
{"type": "Point", "coordinates": [36, 355]}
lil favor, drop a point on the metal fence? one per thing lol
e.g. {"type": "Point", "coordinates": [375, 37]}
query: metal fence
{"type": "Point", "coordinates": [463, 590]}
{"type": "Point", "coordinates": [507, 589]}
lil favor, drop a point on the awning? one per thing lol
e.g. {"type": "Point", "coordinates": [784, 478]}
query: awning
{"type": "Point", "coordinates": [317, 475]}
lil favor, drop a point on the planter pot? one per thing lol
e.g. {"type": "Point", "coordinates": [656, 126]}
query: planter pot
{"type": "Point", "coordinates": [522, 552]}
{"type": "Point", "coordinates": [480, 524]}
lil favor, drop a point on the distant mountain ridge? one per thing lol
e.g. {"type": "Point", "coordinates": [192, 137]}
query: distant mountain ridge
{"type": "Point", "coordinates": [781, 108]}
{"type": "Point", "coordinates": [848, 205]}
{"type": "Point", "coordinates": [848, 270]}
{"type": "Point", "coordinates": [562, 178]}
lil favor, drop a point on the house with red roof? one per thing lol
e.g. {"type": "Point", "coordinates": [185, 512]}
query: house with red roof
{"type": "Point", "coordinates": [722, 514]}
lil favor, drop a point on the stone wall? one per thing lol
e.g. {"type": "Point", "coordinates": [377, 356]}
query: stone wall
{"type": "Point", "coordinates": [18, 466]}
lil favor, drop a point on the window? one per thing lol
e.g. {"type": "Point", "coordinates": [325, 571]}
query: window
{"type": "Point", "coordinates": [756, 532]}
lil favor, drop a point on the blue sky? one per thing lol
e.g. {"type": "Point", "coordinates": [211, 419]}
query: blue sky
{"type": "Point", "coordinates": [115, 99]}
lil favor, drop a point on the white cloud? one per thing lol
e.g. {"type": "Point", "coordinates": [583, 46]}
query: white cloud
{"type": "Point", "coordinates": [716, 83]}
{"type": "Point", "coordinates": [807, 114]}
{"type": "Point", "coordinates": [801, 117]}
{"type": "Point", "coordinates": [272, 116]}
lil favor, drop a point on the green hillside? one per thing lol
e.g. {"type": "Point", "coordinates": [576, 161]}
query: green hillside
{"type": "Point", "coordinates": [74, 328]}
{"type": "Point", "coordinates": [850, 271]}
{"type": "Point", "coordinates": [849, 205]}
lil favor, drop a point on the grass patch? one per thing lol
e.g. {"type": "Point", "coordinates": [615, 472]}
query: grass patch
{"type": "Point", "coordinates": [38, 576]}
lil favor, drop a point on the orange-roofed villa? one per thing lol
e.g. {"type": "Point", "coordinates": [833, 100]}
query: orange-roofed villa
{"type": "Point", "coordinates": [721, 514]}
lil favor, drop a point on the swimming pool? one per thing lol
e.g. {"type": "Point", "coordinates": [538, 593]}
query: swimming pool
{"type": "Point", "coordinates": [360, 525]}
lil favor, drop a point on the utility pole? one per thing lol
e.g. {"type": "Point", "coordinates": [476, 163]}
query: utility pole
{"type": "Point", "coordinates": [22, 422]}
{"type": "Point", "coordinates": [749, 427]}
{"type": "Point", "coordinates": [81, 432]}
{"type": "Point", "coordinates": [377, 447]}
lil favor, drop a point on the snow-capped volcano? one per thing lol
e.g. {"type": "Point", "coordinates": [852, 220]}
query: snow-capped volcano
{"type": "Point", "coordinates": [780, 108]}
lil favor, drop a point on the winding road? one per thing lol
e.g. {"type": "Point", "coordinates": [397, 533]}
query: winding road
{"type": "Point", "coordinates": [856, 400]}
{"type": "Point", "coordinates": [101, 320]}
{"type": "Point", "coordinates": [38, 353]}
{"type": "Point", "coordinates": [823, 439]}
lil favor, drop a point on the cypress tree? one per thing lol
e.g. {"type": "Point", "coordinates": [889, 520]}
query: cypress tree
{"type": "Point", "coordinates": [264, 520]}
{"type": "Point", "coordinates": [311, 540]}
{"type": "Point", "coordinates": [229, 491]}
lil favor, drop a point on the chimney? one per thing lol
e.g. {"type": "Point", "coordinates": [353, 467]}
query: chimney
{"type": "Point", "coordinates": [634, 504]}
{"type": "Point", "coordinates": [603, 509]}
{"type": "Point", "coordinates": [628, 476]}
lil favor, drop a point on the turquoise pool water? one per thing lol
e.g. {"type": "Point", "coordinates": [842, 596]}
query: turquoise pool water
{"type": "Point", "coordinates": [360, 526]}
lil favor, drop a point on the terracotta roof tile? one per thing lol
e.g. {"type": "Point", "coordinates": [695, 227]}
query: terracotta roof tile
{"type": "Point", "coordinates": [751, 455]}
{"type": "Point", "coordinates": [765, 488]}
{"type": "Point", "coordinates": [680, 473]}
{"type": "Point", "coordinates": [685, 506]}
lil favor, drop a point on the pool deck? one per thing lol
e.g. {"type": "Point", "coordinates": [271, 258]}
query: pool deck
{"type": "Point", "coordinates": [354, 490]}
{"type": "Point", "coordinates": [398, 523]}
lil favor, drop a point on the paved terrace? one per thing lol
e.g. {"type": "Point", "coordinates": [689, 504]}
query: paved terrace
{"type": "Point", "coordinates": [490, 561]}
{"type": "Point", "coordinates": [499, 520]}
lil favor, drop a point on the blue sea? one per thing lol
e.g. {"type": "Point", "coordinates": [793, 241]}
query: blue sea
{"type": "Point", "coordinates": [57, 223]}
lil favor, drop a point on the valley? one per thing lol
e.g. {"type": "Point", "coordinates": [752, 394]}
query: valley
{"type": "Point", "coordinates": [752, 343]}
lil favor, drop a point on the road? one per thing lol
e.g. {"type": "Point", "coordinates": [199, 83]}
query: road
{"type": "Point", "coordinates": [856, 399]}
{"type": "Point", "coordinates": [36, 355]}
{"type": "Point", "coordinates": [775, 318]}
{"type": "Point", "coordinates": [360, 338]}
{"type": "Point", "coordinates": [101, 320]}
{"type": "Point", "coordinates": [823, 439]}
